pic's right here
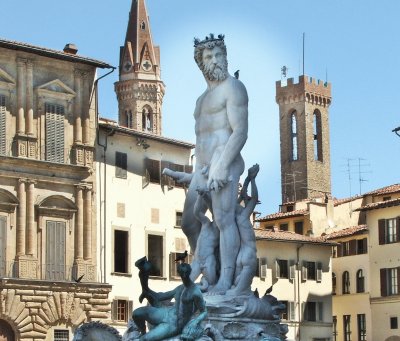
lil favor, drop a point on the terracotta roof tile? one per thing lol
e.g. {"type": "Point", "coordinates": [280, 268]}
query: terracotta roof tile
{"type": "Point", "coordinates": [280, 215]}
{"type": "Point", "coordinates": [380, 204]}
{"type": "Point", "coordinates": [349, 231]}
{"type": "Point", "coordinates": [16, 45]}
{"type": "Point", "coordinates": [337, 202]}
{"type": "Point", "coordinates": [385, 190]}
{"type": "Point", "coordinates": [262, 234]}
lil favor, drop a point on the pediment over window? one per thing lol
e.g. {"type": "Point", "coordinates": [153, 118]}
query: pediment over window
{"type": "Point", "coordinates": [56, 205]}
{"type": "Point", "coordinates": [56, 88]}
{"type": "Point", "coordinates": [6, 80]}
{"type": "Point", "coordinates": [8, 201]}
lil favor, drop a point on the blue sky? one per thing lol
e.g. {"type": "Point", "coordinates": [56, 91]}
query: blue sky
{"type": "Point", "coordinates": [355, 44]}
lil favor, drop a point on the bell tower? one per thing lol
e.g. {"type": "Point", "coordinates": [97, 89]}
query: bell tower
{"type": "Point", "coordinates": [140, 90]}
{"type": "Point", "coordinates": [304, 138]}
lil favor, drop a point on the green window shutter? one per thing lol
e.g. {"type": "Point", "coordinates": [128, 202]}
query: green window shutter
{"type": "Point", "coordinates": [55, 133]}
{"type": "Point", "coordinates": [3, 135]}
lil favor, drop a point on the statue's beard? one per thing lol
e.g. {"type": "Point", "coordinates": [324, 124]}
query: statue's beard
{"type": "Point", "coordinates": [216, 72]}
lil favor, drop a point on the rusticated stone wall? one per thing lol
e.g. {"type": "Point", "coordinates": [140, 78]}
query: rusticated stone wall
{"type": "Point", "coordinates": [33, 307]}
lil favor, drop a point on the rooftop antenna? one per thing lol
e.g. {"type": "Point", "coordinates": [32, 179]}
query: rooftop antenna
{"type": "Point", "coordinates": [304, 38]}
{"type": "Point", "coordinates": [360, 172]}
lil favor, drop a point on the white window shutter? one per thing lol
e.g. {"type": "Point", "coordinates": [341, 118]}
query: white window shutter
{"type": "Point", "coordinates": [292, 270]}
{"type": "Point", "coordinates": [304, 272]}
{"type": "Point", "coordinates": [319, 272]}
{"type": "Point", "coordinates": [292, 311]}
{"type": "Point", "coordinates": [263, 268]}
{"type": "Point", "coordinates": [277, 269]}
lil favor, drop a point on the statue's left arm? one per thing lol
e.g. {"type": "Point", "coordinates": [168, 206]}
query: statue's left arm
{"type": "Point", "coordinates": [237, 114]}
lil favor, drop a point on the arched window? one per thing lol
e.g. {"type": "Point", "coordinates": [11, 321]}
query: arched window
{"type": "Point", "coordinates": [360, 281]}
{"type": "Point", "coordinates": [333, 283]}
{"type": "Point", "coordinates": [317, 135]}
{"type": "Point", "coordinates": [143, 25]}
{"type": "Point", "coordinates": [345, 283]}
{"type": "Point", "coordinates": [293, 120]}
{"type": "Point", "coordinates": [129, 118]}
{"type": "Point", "coordinates": [147, 121]}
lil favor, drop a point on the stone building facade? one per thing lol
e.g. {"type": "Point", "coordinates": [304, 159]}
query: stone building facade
{"type": "Point", "coordinates": [48, 249]}
{"type": "Point", "coordinates": [304, 136]}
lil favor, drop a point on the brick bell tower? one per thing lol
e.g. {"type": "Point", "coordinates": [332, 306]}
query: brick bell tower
{"type": "Point", "coordinates": [304, 138]}
{"type": "Point", "coordinates": [140, 90]}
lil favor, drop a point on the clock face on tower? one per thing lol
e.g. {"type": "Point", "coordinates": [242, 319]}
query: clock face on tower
{"type": "Point", "coordinates": [146, 65]}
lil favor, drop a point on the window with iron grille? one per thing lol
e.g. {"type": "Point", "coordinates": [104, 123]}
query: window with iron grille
{"type": "Point", "coordinates": [55, 133]}
{"type": "Point", "coordinates": [361, 327]}
{"type": "Point", "coordinates": [61, 335]}
{"type": "Point", "coordinates": [3, 136]}
{"type": "Point", "coordinates": [346, 328]}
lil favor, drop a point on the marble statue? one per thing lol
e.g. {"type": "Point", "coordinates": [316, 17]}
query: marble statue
{"type": "Point", "coordinates": [221, 132]}
{"type": "Point", "coordinates": [169, 321]}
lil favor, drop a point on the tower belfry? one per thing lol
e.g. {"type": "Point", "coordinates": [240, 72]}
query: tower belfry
{"type": "Point", "coordinates": [304, 138]}
{"type": "Point", "coordinates": [140, 90]}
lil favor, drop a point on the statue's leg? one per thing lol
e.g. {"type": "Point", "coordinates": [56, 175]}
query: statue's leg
{"type": "Point", "coordinates": [190, 225]}
{"type": "Point", "coordinates": [151, 314]}
{"type": "Point", "coordinates": [160, 332]}
{"type": "Point", "coordinates": [224, 203]}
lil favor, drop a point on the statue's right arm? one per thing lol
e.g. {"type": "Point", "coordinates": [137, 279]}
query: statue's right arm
{"type": "Point", "coordinates": [168, 295]}
{"type": "Point", "coordinates": [180, 177]}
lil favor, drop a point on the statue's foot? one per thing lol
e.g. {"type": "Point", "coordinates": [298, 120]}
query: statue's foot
{"type": "Point", "coordinates": [218, 289]}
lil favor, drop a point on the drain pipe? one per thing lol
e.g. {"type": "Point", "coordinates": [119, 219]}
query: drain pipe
{"type": "Point", "coordinates": [299, 274]}
{"type": "Point", "coordinates": [103, 227]}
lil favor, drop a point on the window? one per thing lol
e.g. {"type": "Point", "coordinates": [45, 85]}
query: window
{"type": "Point", "coordinates": [298, 227]}
{"type": "Point", "coordinates": [284, 227]}
{"type": "Point", "coordinates": [362, 246]}
{"type": "Point", "coordinates": [289, 314]}
{"type": "Point", "coordinates": [393, 323]}
{"type": "Point", "coordinates": [333, 283]}
{"type": "Point", "coordinates": [129, 118]}
{"type": "Point", "coordinates": [121, 165]}
{"type": "Point", "coordinates": [282, 270]}
{"type": "Point", "coordinates": [309, 271]}
{"type": "Point", "coordinates": [147, 119]}
{"type": "Point", "coordinates": [178, 219]}
{"type": "Point", "coordinates": [361, 327]}
{"type": "Point", "coordinates": [313, 311]}
{"type": "Point", "coordinates": [61, 335]}
{"type": "Point", "coordinates": [121, 251]}
{"type": "Point", "coordinates": [3, 136]}
{"type": "Point", "coordinates": [54, 133]}
{"type": "Point", "coordinates": [317, 135]}
{"type": "Point", "coordinates": [345, 283]}
{"type": "Point", "coordinates": [390, 281]}
{"type": "Point", "coordinates": [173, 271]}
{"type": "Point", "coordinates": [3, 244]}
{"type": "Point", "coordinates": [294, 136]}
{"type": "Point", "coordinates": [55, 250]}
{"type": "Point", "coordinates": [152, 170]}
{"type": "Point", "coordinates": [360, 281]}
{"type": "Point", "coordinates": [389, 230]}
{"type": "Point", "coordinates": [142, 25]}
{"type": "Point", "coordinates": [387, 198]}
{"type": "Point", "coordinates": [121, 310]}
{"type": "Point", "coordinates": [262, 268]}
{"type": "Point", "coordinates": [345, 249]}
{"type": "Point", "coordinates": [289, 208]}
{"type": "Point", "coordinates": [346, 328]}
{"type": "Point", "coordinates": [155, 254]}
{"type": "Point", "coordinates": [335, 333]}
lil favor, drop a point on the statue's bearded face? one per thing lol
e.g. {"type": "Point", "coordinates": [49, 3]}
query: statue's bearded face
{"type": "Point", "coordinates": [214, 64]}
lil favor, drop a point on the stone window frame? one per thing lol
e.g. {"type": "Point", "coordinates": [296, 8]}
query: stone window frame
{"type": "Point", "coordinates": [163, 262]}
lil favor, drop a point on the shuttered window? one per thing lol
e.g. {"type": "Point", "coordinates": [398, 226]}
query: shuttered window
{"type": "Point", "coordinates": [389, 230]}
{"type": "Point", "coordinates": [121, 165]}
{"type": "Point", "coordinates": [3, 136]}
{"type": "Point", "coordinates": [55, 250]}
{"type": "Point", "coordinates": [155, 254]}
{"type": "Point", "coordinates": [121, 310]}
{"type": "Point", "coordinates": [3, 245]}
{"type": "Point", "coordinates": [390, 281]}
{"type": "Point", "coordinates": [55, 133]}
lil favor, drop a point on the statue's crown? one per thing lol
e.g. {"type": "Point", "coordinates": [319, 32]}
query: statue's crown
{"type": "Point", "coordinates": [208, 39]}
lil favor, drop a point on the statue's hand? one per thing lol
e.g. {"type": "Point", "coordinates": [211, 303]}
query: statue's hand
{"type": "Point", "coordinates": [253, 171]}
{"type": "Point", "coordinates": [218, 178]}
{"type": "Point", "coordinates": [179, 177]}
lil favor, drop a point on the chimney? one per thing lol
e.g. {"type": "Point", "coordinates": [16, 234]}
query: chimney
{"type": "Point", "coordinates": [70, 48]}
